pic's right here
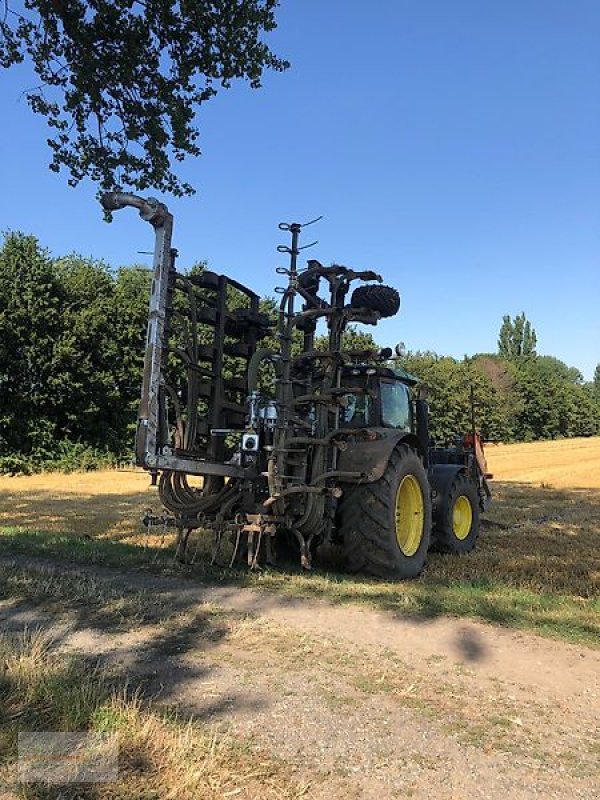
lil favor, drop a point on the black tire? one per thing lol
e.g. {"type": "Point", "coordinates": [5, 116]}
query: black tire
{"type": "Point", "coordinates": [367, 520]}
{"type": "Point", "coordinates": [456, 526]}
{"type": "Point", "coordinates": [383, 299]}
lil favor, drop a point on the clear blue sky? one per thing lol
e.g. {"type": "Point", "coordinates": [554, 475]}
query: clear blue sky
{"type": "Point", "coordinates": [452, 145]}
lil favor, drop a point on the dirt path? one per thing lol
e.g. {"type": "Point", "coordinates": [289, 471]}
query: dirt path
{"type": "Point", "coordinates": [362, 704]}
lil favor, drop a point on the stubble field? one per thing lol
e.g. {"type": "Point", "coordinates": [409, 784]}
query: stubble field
{"type": "Point", "coordinates": [536, 564]}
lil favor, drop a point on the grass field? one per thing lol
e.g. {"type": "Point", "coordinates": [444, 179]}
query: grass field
{"type": "Point", "coordinates": [161, 754]}
{"type": "Point", "coordinates": [536, 564]}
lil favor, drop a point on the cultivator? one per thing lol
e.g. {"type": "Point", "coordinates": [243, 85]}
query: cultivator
{"type": "Point", "coordinates": [285, 435]}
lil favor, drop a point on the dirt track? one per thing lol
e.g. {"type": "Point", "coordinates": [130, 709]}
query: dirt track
{"type": "Point", "coordinates": [359, 703]}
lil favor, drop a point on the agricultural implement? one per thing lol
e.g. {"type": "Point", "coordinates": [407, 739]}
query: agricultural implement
{"type": "Point", "coordinates": [264, 436]}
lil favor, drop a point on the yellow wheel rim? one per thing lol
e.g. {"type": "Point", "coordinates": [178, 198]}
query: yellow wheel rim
{"type": "Point", "coordinates": [462, 517]}
{"type": "Point", "coordinates": [410, 515]}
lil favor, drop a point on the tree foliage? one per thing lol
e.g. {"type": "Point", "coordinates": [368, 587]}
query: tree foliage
{"type": "Point", "coordinates": [31, 298]}
{"type": "Point", "coordinates": [120, 81]}
{"type": "Point", "coordinates": [71, 350]}
{"type": "Point", "coordinates": [449, 385]}
{"type": "Point", "coordinates": [72, 339]}
{"type": "Point", "coordinates": [516, 338]}
{"type": "Point", "coordinates": [525, 400]}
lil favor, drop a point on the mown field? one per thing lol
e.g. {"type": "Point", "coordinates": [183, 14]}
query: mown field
{"type": "Point", "coordinates": [560, 464]}
{"type": "Point", "coordinates": [536, 564]}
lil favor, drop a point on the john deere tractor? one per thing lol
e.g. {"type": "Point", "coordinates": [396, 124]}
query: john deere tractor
{"type": "Point", "coordinates": [280, 446]}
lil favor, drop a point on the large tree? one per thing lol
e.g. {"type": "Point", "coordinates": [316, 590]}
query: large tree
{"type": "Point", "coordinates": [516, 338]}
{"type": "Point", "coordinates": [596, 383]}
{"type": "Point", "coordinates": [31, 299]}
{"type": "Point", "coordinates": [120, 81]}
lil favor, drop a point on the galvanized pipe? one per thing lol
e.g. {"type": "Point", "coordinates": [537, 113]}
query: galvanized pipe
{"type": "Point", "coordinates": [157, 214]}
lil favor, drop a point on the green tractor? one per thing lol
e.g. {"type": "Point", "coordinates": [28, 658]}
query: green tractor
{"type": "Point", "coordinates": [281, 446]}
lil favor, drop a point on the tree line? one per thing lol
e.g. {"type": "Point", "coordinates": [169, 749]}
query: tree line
{"type": "Point", "coordinates": [72, 336]}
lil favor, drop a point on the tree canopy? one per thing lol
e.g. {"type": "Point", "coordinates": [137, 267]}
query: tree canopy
{"type": "Point", "coordinates": [516, 338]}
{"type": "Point", "coordinates": [120, 81]}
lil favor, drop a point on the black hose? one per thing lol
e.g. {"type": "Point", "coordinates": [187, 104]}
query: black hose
{"type": "Point", "coordinates": [262, 354]}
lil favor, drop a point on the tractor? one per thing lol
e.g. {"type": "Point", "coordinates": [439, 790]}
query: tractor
{"type": "Point", "coordinates": [278, 444]}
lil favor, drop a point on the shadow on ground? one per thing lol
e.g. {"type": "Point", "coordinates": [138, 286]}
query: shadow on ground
{"type": "Point", "coordinates": [142, 633]}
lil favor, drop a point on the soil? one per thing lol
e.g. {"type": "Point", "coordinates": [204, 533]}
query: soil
{"type": "Point", "coordinates": [359, 703]}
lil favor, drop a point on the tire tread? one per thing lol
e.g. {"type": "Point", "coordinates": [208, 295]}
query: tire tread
{"type": "Point", "coordinates": [364, 519]}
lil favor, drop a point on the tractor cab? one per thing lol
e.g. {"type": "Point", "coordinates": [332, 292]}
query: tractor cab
{"type": "Point", "coordinates": [378, 397]}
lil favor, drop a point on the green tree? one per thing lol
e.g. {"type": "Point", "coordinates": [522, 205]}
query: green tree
{"type": "Point", "coordinates": [596, 382]}
{"type": "Point", "coordinates": [449, 385]}
{"type": "Point", "coordinates": [516, 338]}
{"type": "Point", "coordinates": [538, 415]}
{"type": "Point", "coordinates": [31, 299]}
{"type": "Point", "coordinates": [555, 368]}
{"type": "Point", "coordinates": [130, 313]}
{"type": "Point", "coordinates": [120, 81]}
{"type": "Point", "coordinates": [501, 376]}
{"type": "Point", "coordinates": [581, 415]}
{"type": "Point", "coordinates": [86, 355]}
{"type": "Point", "coordinates": [353, 339]}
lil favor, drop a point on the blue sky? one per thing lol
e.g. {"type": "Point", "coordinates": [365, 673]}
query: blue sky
{"type": "Point", "coordinates": [452, 145]}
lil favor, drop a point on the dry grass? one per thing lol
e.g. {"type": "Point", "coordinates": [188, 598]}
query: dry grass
{"type": "Point", "coordinates": [110, 503]}
{"type": "Point", "coordinates": [537, 567]}
{"type": "Point", "coordinates": [160, 755]}
{"type": "Point", "coordinates": [105, 503]}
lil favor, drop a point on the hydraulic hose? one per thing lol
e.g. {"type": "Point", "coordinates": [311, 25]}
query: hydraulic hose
{"type": "Point", "coordinates": [262, 354]}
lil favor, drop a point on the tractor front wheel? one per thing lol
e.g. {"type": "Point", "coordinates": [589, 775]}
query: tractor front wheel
{"type": "Point", "coordinates": [456, 527]}
{"type": "Point", "coordinates": [386, 525]}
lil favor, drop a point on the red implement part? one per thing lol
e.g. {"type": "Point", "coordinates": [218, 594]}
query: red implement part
{"type": "Point", "coordinates": [479, 454]}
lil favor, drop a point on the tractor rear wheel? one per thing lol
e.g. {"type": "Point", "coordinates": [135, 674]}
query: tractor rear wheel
{"type": "Point", "coordinates": [456, 527]}
{"type": "Point", "coordinates": [386, 525]}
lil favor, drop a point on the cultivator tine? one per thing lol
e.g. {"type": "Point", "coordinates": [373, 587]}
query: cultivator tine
{"type": "Point", "coordinates": [305, 557]}
{"type": "Point", "coordinates": [254, 543]}
{"type": "Point", "coordinates": [217, 547]}
{"type": "Point", "coordinates": [236, 547]}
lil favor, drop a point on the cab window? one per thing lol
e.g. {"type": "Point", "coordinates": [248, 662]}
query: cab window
{"type": "Point", "coordinates": [356, 411]}
{"type": "Point", "coordinates": [395, 406]}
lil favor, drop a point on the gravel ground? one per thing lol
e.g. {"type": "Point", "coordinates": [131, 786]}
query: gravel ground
{"type": "Point", "coordinates": [360, 704]}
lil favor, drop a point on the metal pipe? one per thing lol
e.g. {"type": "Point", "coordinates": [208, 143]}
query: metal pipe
{"type": "Point", "coordinates": [151, 210]}
{"type": "Point", "coordinates": [157, 214]}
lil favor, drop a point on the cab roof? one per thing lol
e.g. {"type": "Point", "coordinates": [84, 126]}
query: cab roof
{"type": "Point", "coordinates": [395, 372]}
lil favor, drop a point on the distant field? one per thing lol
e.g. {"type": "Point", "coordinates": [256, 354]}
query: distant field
{"type": "Point", "coordinates": [111, 502]}
{"type": "Point", "coordinates": [562, 464]}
